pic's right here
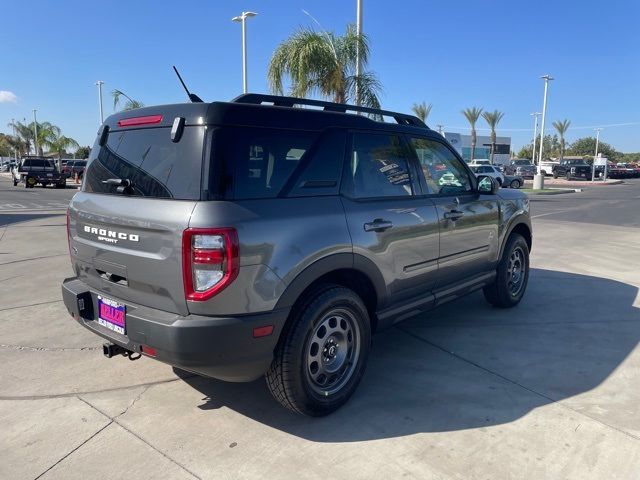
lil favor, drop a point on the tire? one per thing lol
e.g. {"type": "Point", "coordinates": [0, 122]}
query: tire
{"type": "Point", "coordinates": [61, 185]}
{"type": "Point", "coordinates": [15, 183]}
{"type": "Point", "coordinates": [514, 184]}
{"type": "Point", "coordinates": [555, 175]}
{"type": "Point", "coordinates": [515, 260]}
{"type": "Point", "coordinates": [329, 318]}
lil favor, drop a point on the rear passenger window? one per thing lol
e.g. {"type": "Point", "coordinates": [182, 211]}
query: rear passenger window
{"type": "Point", "coordinates": [258, 162]}
{"type": "Point", "coordinates": [378, 167]}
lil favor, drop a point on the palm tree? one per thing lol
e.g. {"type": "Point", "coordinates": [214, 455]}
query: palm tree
{"type": "Point", "coordinates": [472, 115]}
{"type": "Point", "coordinates": [493, 118]}
{"type": "Point", "coordinates": [422, 110]}
{"type": "Point", "coordinates": [24, 136]}
{"type": "Point", "coordinates": [324, 63]}
{"type": "Point", "coordinates": [562, 128]}
{"type": "Point", "coordinates": [59, 145]}
{"type": "Point", "coordinates": [130, 104]}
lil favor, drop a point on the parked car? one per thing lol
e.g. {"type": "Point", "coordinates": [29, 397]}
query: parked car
{"type": "Point", "coordinates": [262, 239]}
{"type": "Point", "coordinates": [74, 166]}
{"type": "Point", "coordinates": [521, 167]}
{"type": "Point", "coordinates": [35, 170]}
{"type": "Point", "coordinates": [490, 171]}
{"type": "Point", "coordinates": [546, 167]}
{"type": "Point", "coordinates": [513, 181]}
{"type": "Point", "coordinates": [477, 162]}
{"type": "Point", "coordinates": [572, 169]}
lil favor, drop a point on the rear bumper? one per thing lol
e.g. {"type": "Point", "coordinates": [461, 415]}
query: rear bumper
{"type": "Point", "coordinates": [219, 347]}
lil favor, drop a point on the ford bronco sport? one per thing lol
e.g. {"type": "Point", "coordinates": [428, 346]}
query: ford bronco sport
{"type": "Point", "coordinates": [249, 238]}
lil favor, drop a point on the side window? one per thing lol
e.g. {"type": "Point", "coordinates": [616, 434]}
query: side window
{"type": "Point", "coordinates": [378, 167]}
{"type": "Point", "coordinates": [443, 172]}
{"type": "Point", "coordinates": [260, 161]}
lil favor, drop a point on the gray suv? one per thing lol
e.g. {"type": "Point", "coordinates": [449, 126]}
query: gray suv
{"type": "Point", "coordinates": [273, 235]}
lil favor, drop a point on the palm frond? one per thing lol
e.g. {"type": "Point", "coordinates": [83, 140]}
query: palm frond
{"type": "Point", "coordinates": [472, 115]}
{"type": "Point", "coordinates": [422, 110]}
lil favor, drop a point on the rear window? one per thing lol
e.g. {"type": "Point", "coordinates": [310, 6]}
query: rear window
{"type": "Point", "coordinates": [258, 162]}
{"type": "Point", "coordinates": [156, 166]}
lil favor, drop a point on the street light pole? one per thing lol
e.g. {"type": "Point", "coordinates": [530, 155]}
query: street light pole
{"type": "Point", "coordinates": [35, 131]}
{"type": "Point", "coordinates": [15, 149]}
{"type": "Point", "coordinates": [593, 167]}
{"type": "Point", "coordinates": [242, 19]}
{"type": "Point", "coordinates": [547, 79]}
{"type": "Point", "coordinates": [535, 134]}
{"type": "Point", "coordinates": [99, 83]}
{"type": "Point", "coordinates": [358, 61]}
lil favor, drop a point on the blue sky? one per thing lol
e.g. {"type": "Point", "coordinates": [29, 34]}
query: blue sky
{"type": "Point", "coordinates": [451, 54]}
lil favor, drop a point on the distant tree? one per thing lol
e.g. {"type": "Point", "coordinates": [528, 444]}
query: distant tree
{"type": "Point", "coordinates": [324, 63]}
{"type": "Point", "coordinates": [130, 103]}
{"type": "Point", "coordinates": [83, 152]}
{"type": "Point", "coordinates": [472, 115]}
{"type": "Point", "coordinates": [525, 152]}
{"type": "Point", "coordinates": [492, 119]}
{"type": "Point", "coordinates": [6, 148]}
{"type": "Point", "coordinates": [561, 128]}
{"type": "Point", "coordinates": [630, 157]}
{"type": "Point", "coordinates": [422, 110]}
{"type": "Point", "coordinates": [587, 147]}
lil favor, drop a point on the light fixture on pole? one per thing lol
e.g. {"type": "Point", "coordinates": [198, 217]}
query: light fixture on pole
{"type": "Point", "coordinates": [593, 167]}
{"type": "Point", "coordinates": [535, 115]}
{"type": "Point", "coordinates": [35, 131]}
{"type": "Point", "coordinates": [242, 19]}
{"type": "Point", "coordinates": [358, 60]}
{"type": "Point", "coordinates": [99, 83]}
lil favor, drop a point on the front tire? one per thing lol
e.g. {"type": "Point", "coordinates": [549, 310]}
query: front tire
{"type": "Point", "coordinates": [322, 353]}
{"type": "Point", "coordinates": [512, 274]}
{"type": "Point", "coordinates": [515, 184]}
{"type": "Point", "coordinates": [555, 175]}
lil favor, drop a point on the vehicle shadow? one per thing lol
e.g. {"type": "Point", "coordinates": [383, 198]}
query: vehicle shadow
{"type": "Point", "coordinates": [468, 365]}
{"type": "Point", "coordinates": [13, 218]}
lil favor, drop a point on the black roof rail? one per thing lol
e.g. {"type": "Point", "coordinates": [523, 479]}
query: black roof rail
{"type": "Point", "coordinates": [281, 101]}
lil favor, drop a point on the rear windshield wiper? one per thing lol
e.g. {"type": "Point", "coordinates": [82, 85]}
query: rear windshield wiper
{"type": "Point", "coordinates": [124, 184]}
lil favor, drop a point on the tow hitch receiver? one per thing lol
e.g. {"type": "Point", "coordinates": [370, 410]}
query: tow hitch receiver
{"type": "Point", "coordinates": [111, 350]}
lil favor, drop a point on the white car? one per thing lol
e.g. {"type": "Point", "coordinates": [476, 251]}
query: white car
{"type": "Point", "coordinates": [477, 162]}
{"type": "Point", "coordinates": [489, 171]}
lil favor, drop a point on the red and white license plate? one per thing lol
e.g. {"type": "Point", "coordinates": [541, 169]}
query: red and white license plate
{"type": "Point", "coordinates": [111, 314]}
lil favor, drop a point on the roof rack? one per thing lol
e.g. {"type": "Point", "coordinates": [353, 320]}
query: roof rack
{"type": "Point", "coordinates": [281, 101]}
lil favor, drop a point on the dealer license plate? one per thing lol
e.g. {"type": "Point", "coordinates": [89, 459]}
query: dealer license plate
{"type": "Point", "coordinates": [111, 314]}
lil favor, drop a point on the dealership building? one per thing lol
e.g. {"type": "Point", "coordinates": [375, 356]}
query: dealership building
{"type": "Point", "coordinates": [462, 143]}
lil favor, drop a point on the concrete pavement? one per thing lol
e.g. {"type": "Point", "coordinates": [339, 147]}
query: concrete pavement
{"type": "Point", "coordinates": [546, 390]}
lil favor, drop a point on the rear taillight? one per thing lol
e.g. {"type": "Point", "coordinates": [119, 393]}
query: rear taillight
{"type": "Point", "coordinates": [210, 261]}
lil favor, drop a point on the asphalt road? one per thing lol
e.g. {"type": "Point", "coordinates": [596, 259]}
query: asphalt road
{"type": "Point", "coordinates": [545, 390]}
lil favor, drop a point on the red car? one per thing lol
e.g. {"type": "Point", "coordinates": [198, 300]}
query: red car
{"type": "Point", "coordinates": [74, 166]}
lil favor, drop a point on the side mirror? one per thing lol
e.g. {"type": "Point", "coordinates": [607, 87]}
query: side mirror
{"type": "Point", "coordinates": [487, 185]}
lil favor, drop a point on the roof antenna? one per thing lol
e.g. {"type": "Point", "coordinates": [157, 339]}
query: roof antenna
{"type": "Point", "coordinates": [192, 96]}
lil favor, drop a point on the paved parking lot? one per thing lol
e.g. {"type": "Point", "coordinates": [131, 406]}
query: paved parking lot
{"type": "Point", "coordinates": [547, 390]}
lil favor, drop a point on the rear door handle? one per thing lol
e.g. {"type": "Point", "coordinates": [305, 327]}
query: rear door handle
{"type": "Point", "coordinates": [378, 225]}
{"type": "Point", "coordinates": [453, 215]}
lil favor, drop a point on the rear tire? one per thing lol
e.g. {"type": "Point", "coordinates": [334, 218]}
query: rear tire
{"type": "Point", "coordinates": [555, 175]}
{"type": "Point", "coordinates": [512, 274]}
{"type": "Point", "coordinates": [322, 353]}
{"type": "Point", "coordinates": [515, 184]}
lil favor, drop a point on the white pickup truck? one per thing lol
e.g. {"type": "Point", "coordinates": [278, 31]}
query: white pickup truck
{"type": "Point", "coordinates": [546, 167]}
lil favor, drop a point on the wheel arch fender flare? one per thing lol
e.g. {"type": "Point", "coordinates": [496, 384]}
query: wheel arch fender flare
{"type": "Point", "coordinates": [327, 265]}
{"type": "Point", "coordinates": [520, 223]}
